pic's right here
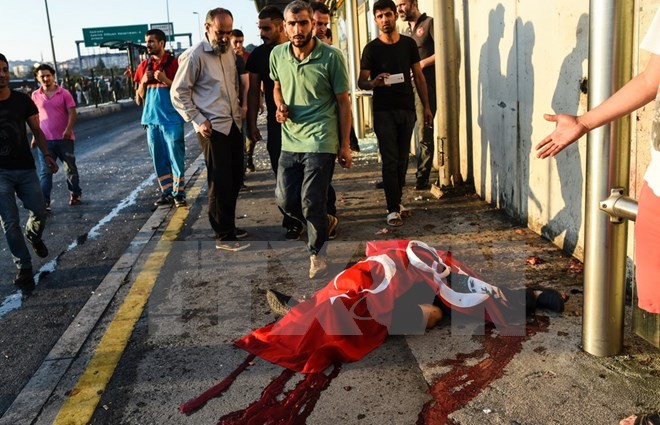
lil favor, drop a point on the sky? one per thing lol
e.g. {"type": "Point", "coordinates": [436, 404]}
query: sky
{"type": "Point", "coordinates": [24, 26]}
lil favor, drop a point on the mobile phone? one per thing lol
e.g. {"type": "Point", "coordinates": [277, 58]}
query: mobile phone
{"type": "Point", "coordinates": [394, 79]}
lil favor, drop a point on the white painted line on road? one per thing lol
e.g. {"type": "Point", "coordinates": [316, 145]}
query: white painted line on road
{"type": "Point", "coordinates": [14, 301]}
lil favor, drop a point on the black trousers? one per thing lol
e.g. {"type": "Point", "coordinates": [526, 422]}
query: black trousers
{"type": "Point", "coordinates": [223, 155]}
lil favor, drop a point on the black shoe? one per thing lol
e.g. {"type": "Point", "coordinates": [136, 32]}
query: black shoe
{"type": "Point", "coordinates": [180, 201]}
{"type": "Point", "coordinates": [422, 185]}
{"type": "Point", "coordinates": [243, 188]}
{"type": "Point", "coordinates": [48, 208]}
{"type": "Point", "coordinates": [39, 247]}
{"type": "Point", "coordinates": [165, 199]}
{"type": "Point", "coordinates": [250, 168]}
{"type": "Point", "coordinates": [75, 200]}
{"type": "Point", "coordinates": [279, 303]}
{"type": "Point", "coordinates": [293, 234]}
{"type": "Point", "coordinates": [333, 222]}
{"type": "Point", "coordinates": [240, 233]}
{"type": "Point", "coordinates": [549, 299]}
{"type": "Point", "coordinates": [380, 185]}
{"type": "Point", "coordinates": [24, 280]}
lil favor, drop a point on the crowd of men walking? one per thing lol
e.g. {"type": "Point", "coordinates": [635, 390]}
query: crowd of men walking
{"type": "Point", "coordinates": [219, 87]}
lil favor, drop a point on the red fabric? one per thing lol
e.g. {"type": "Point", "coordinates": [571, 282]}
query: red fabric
{"type": "Point", "coordinates": [349, 317]}
{"type": "Point", "coordinates": [647, 251]}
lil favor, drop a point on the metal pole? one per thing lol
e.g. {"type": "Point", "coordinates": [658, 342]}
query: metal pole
{"type": "Point", "coordinates": [80, 62]}
{"type": "Point", "coordinates": [446, 76]}
{"type": "Point", "coordinates": [199, 26]}
{"type": "Point", "coordinates": [170, 33]}
{"type": "Point", "coordinates": [353, 59]}
{"type": "Point", "coordinates": [52, 44]}
{"type": "Point", "coordinates": [610, 42]}
{"type": "Point", "coordinates": [373, 27]}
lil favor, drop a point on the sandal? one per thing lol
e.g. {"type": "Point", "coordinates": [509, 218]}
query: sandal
{"type": "Point", "coordinates": [653, 419]}
{"type": "Point", "coordinates": [405, 212]}
{"type": "Point", "coordinates": [394, 219]}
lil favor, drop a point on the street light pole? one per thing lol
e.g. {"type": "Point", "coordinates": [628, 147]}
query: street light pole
{"type": "Point", "coordinates": [169, 24]}
{"type": "Point", "coordinates": [199, 26]}
{"type": "Point", "coordinates": [52, 45]}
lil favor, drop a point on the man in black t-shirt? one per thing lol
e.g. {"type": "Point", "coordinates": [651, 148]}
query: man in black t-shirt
{"type": "Point", "coordinates": [18, 177]}
{"type": "Point", "coordinates": [271, 31]}
{"type": "Point", "coordinates": [386, 66]}
{"type": "Point", "coordinates": [419, 27]}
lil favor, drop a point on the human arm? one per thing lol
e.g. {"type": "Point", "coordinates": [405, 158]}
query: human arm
{"type": "Point", "coordinates": [636, 93]}
{"type": "Point", "coordinates": [68, 131]}
{"type": "Point", "coordinates": [282, 113]}
{"type": "Point", "coordinates": [420, 84]}
{"type": "Point", "coordinates": [366, 84]}
{"type": "Point", "coordinates": [427, 62]}
{"type": "Point", "coordinates": [253, 105]}
{"type": "Point", "coordinates": [344, 111]}
{"type": "Point", "coordinates": [245, 86]}
{"type": "Point", "coordinates": [39, 140]}
{"type": "Point", "coordinates": [182, 90]}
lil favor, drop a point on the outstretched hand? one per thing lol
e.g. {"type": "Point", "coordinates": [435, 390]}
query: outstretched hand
{"type": "Point", "coordinates": [568, 130]}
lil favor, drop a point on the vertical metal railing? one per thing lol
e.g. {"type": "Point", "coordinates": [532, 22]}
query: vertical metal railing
{"type": "Point", "coordinates": [447, 91]}
{"type": "Point", "coordinates": [608, 163]}
{"type": "Point", "coordinates": [353, 61]}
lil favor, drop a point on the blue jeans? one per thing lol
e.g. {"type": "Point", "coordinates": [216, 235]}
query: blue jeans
{"type": "Point", "coordinates": [394, 130]}
{"type": "Point", "coordinates": [23, 184]}
{"type": "Point", "coordinates": [168, 153]}
{"type": "Point", "coordinates": [302, 193]}
{"type": "Point", "coordinates": [62, 150]}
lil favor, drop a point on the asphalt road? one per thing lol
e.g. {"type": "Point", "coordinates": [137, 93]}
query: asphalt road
{"type": "Point", "coordinates": [84, 241]}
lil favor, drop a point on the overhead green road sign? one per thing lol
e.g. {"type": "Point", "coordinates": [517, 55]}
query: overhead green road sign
{"type": "Point", "coordinates": [96, 36]}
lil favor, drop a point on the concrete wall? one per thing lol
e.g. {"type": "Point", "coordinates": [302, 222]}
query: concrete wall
{"type": "Point", "coordinates": [521, 59]}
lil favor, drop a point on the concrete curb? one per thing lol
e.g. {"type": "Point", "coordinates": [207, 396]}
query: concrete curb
{"type": "Point", "coordinates": [89, 112]}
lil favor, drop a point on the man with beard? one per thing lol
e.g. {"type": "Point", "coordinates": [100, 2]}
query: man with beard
{"type": "Point", "coordinates": [19, 178]}
{"type": "Point", "coordinates": [420, 28]}
{"type": "Point", "coordinates": [271, 31]}
{"type": "Point", "coordinates": [386, 65]}
{"type": "Point", "coordinates": [311, 94]}
{"type": "Point", "coordinates": [205, 92]}
{"type": "Point", "coordinates": [163, 124]}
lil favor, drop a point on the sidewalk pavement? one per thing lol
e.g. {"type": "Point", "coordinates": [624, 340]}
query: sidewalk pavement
{"type": "Point", "coordinates": [202, 299]}
{"type": "Point", "coordinates": [93, 111]}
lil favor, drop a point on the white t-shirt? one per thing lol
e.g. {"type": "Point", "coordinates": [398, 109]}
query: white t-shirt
{"type": "Point", "coordinates": [651, 43]}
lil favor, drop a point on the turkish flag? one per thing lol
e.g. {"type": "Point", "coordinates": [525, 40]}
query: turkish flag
{"type": "Point", "coordinates": [352, 314]}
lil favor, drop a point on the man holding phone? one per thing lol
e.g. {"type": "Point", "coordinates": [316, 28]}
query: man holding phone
{"type": "Point", "coordinates": [386, 66]}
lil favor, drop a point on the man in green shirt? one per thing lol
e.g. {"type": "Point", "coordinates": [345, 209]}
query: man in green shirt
{"type": "Point", "coordinates": [311, 95]}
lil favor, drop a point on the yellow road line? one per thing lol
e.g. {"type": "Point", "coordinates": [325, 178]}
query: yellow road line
{"type": "Point", "coordinates": [85, 396]}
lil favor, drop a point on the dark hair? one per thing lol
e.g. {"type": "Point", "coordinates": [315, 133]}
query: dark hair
{"type": "Point", "coordinates": [384, 4]}
{"type": "Point", "coordinates": [318, 6]}
{"type": "Point", "coordinates": [271, 12]}
{"type": "Point", "coordinates": [237, 33]}
{"type": "Point", "coordinates": [44, 67]}
{"type": "Point", "coordinates": [298, 6]}
{"type": "Point", "coordinates": [4, 59]}
{"type": "Point", "coordinates": [160, 34]}
{"type": "Point", "coordinates": [215, 12]}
